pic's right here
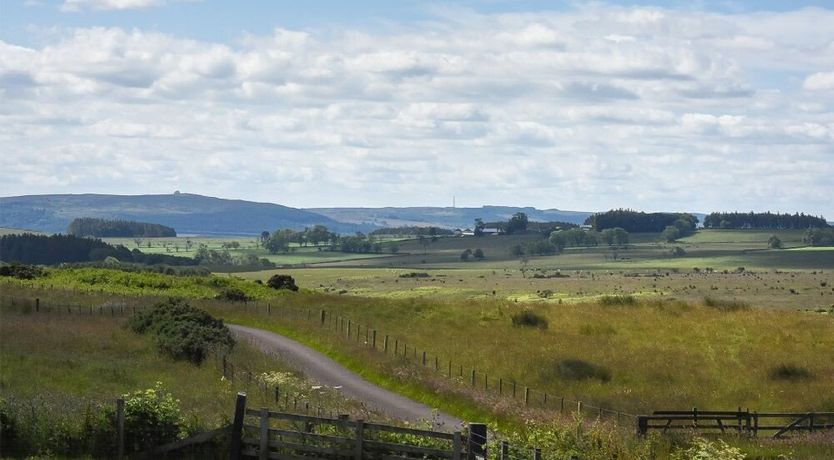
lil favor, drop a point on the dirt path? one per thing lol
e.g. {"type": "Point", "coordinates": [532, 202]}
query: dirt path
{"type": "Point", "coordinates": [327, 372]}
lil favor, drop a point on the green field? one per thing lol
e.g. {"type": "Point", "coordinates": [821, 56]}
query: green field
{"type": "Point", "coordinates": [711, 329]}
{"type": "Point", "coordinates": [188, 247]}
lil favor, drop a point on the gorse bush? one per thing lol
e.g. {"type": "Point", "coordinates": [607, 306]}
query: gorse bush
{"type": "Point", "coordinates": [790, 372]}
{"type": "Point", "coordinates": [282, 282]}
{"type": "Point", "coordinates": [232, 294]}
{"type": "Point", "coordinates": [529, 318]}
{"type": "Point", "coordinates": [22, 271]}
{"type": "Point", "coordinates": [577, 369]}
{"type": "Point", "coordinates": [182, 331]}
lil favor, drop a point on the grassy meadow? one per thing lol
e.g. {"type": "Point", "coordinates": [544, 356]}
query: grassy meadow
{"type": "Point", "coordinates": [729, 324]}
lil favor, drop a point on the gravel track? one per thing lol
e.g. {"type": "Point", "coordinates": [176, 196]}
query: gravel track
{"type": "Point", "coordinates": [324, 370]}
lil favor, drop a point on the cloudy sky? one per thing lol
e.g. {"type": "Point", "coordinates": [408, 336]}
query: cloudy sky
{"type": "Point", "coordinates": [570, 105]}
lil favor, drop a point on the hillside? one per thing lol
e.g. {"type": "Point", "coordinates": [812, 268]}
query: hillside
{"type": "Point", "coordinates": [444, 217]}
{"type": "Point", "coordinates": [187, 213]}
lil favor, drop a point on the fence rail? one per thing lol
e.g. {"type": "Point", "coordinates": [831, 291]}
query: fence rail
{"type": "Point", "coordinates": [750, 423]}
{"type": "Point", "coordinates": [265, 434]}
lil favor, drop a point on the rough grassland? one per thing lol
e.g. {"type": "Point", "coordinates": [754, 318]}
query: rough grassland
{"type": "Point", "coordinates": [64, 359]}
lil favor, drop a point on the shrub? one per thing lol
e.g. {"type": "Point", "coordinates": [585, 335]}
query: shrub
{"type": "Point", "coordinates": [282, 282]}
{"type": "Point", "coordinates": [464, 256]}
{"type": "Point", "coordinates": [22, 271]}
{"type": "Point", "coordinates": [790, 372]}
{"type": "Point", "coordinates": [415, 274]}
{"type": "Point", "coordinates": [232, 294]}
{"type": "Point", "coordinates": [529, 318]}
{"type": "Point", "coordinates": [152, 418]}
{"type": "Point", "coordinates": [478, 254]}
{"type": "Point", "coordinates": [182, 331]}
{"type": "Point", "coordinates": [708, 450]}
{"type": "Point", "coordinates": [610, 300]}
{"type": "Point", "coordinates": [678, 252]}
{"type": "Point", "coordinates": [725, 305]}
{"type": "Point", "coordinates": [577, 369]}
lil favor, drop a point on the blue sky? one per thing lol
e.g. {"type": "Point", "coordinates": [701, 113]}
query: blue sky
{"type": "Point", "coordinates": [699, 106]}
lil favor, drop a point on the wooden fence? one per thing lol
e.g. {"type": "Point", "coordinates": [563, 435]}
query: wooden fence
{"type": "Point", "coordinates": [265, 434]}
{"type": "Point", "coordinates": [750, 423]}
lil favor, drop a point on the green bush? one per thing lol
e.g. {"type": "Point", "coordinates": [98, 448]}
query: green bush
{"type": "Point", "coordinates": [529, 318]}
{"type": "Point", "coordinates": [703, 449]}
{"type": "Point", "coordinates": [152, 418]}
{"type": "Point", "coordinates": [22, 271]}
{"type": "Point", "coordinates": [182, 331]}
{"type": "Point", "coordinates": [232, 294]}
{"type": "Point", "coordinates": [790, 372]}
{"type": "Point", "coordinates": [282, 282]}
{"type": "Point", "coordinates": [577, 369]}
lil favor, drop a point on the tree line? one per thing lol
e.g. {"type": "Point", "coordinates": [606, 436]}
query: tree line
{"type": "Point", "coordinates": [104, 228]}
{"type": "Point", "coordinates": [55, 249]}
{"type": "Point", "coordinates": [319, 236]}
{"type": "Point", "coordinates": [763, 220]}
{"type": "Point", "coordinates": [641, 222]}
{"type": "Point", "coordinates": [410, 230]}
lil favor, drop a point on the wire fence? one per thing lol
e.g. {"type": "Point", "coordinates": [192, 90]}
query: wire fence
{"type": "Point", "coordinates": [359, 334]}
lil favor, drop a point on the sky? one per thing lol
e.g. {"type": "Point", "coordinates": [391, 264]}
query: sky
{"type": "Point", "coordinates": [658, 106]}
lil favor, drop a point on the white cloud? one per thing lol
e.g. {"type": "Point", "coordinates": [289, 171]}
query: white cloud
{"type": "Point", "coordinates": [79, 5]}
{"type": "Point", "coordinates": [589, 109]}
{"type": "Point", "coordinates": [820, 81]}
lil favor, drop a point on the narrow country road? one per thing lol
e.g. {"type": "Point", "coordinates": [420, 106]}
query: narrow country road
{"type": "Point", "coordinates": [319, 367]}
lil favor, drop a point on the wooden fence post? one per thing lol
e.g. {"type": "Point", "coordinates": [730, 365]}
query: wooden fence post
{"type": "Point", "coordinates": [537, 454]}
{"type": "Point", "coordinates": [505, 451]}
{"type": "Point", "coordinates": [360, 437]}
{"type": "Point", "coordinates": [424, 358]}
{"type": "Point", "coordinates": [456, 446]}
{"type": "Point", "coordinates": [120, 427]}
{"type": "Point", "coordinates": [237, 427]}
{"type": "Point", "coordinates": [263, 448]}
{"type": "Point", "coordinates": [373, 340]}
{"type": "Point", "coordinates": [323, 314]}
{"type": "Point", "coordinates": [526, 396]}
{"type": "Point", "coordinates": [385, 344]}
{"type": "Point", "coordinates": [642, 425]}
{"type": "Point", "coordinates": [473, 377]}
{"type": "Point", "coordinates": [477, 441]}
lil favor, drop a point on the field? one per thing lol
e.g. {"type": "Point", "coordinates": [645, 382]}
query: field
{"type": "Point", "coordinates": [188, 246]}
{"type": "Point", "coordinates": [729, 324]}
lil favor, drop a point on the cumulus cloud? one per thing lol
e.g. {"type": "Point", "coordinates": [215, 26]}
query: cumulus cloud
{"type": "Point", "coordinates": [820, 81]}
{"type": "Point", "coordinates": [79, 5]}
{"type": "Point", "coordinates": [591, 108]}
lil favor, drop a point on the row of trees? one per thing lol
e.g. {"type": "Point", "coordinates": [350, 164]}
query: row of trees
{"type": "Point", "coordinates": [48, 250]}
{"type": "Point", "coordinates": [410, 230]}
{"type": "Point", "coordinates": [103, 228]}
{"type": "Point", "coordinates": [763, 220]}
{"type": "Point", "coordinates": [641, 222]}
{"type": "Point", "coordinates": [279, 240]}
{"type": "Point", "coordinates": [575, 237]}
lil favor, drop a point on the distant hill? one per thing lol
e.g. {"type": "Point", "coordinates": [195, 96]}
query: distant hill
{"type": "Point", "coordinates": [187, 213]}
{"type": "Point", "coordinates": [444, 217]}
